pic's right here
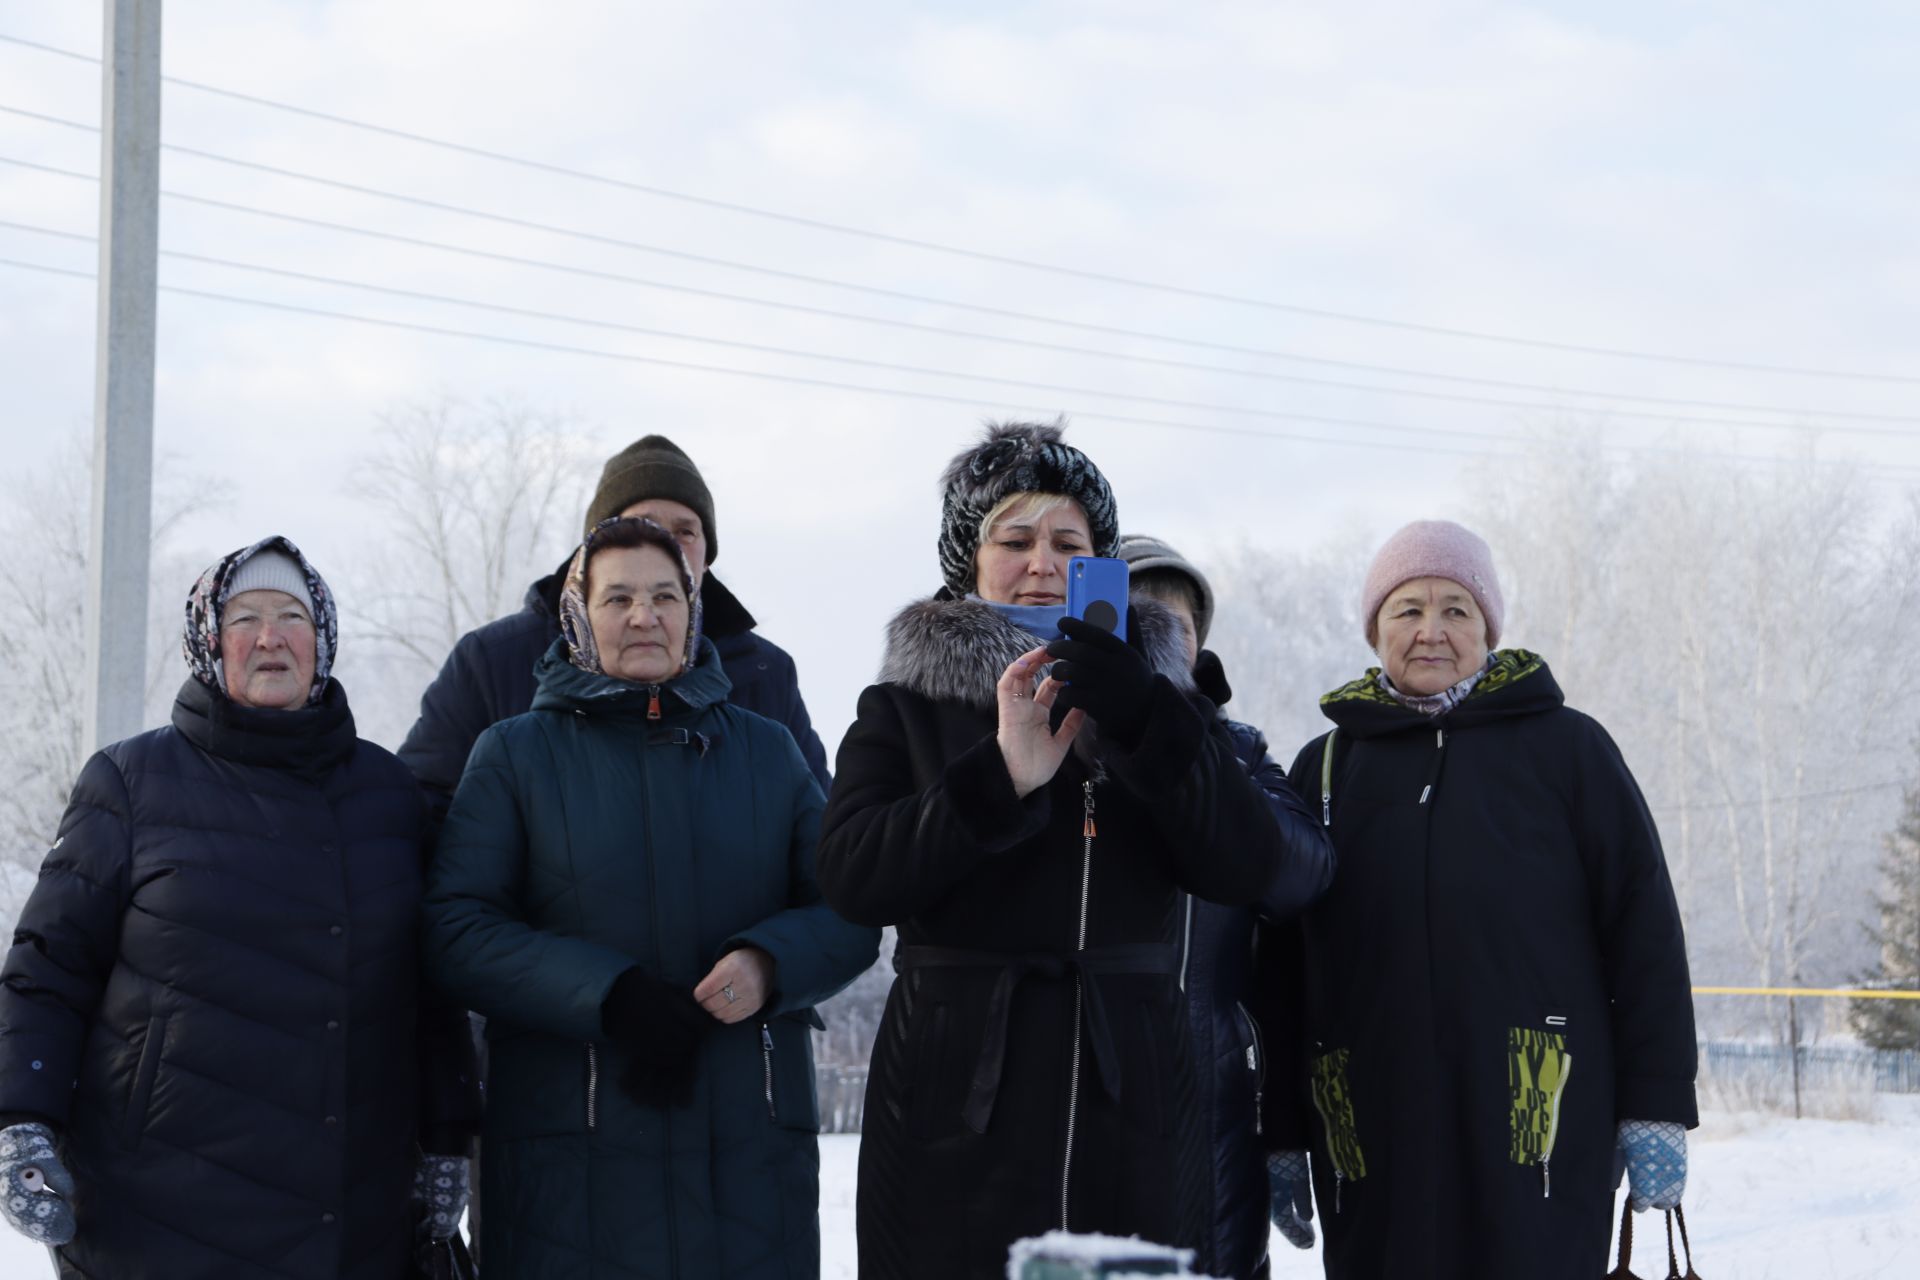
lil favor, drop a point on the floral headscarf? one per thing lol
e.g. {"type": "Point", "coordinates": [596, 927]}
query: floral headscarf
{"type": "Point", "coordinates": [201, 642]}
{"type": "Point", "coordinates": [578, 628]}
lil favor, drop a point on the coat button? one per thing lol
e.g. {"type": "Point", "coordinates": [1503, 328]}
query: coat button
{"type": "Point", "coordinates": [326, 848]}
{"type": "Point", "coordinates": [332, 1120]}
{"type": "Point", "coordinates": [336, 931]}
{"type": "Point", "coordinates": [333, 1024]}
{"type": "Point", "coordinates": [326, 1217]}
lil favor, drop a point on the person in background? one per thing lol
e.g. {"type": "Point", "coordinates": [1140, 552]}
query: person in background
{"type": "Point", "coordinates": [1032, 838]}
{"type": "Point", "coordinates": [489, 675]}
{"type": "Point", "coordinates": [1228, 1041]}
{"type": "Point", "coordinates": [216, 1058]}
{"type": "Point", "coordinates": [1501, 916]}
{"type": "Point", "coordinates": [624, 888]}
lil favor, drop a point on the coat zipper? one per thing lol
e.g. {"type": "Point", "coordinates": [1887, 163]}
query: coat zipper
{"type": "Point", "coordinates": [1553, 1128]}
{"type": "Point", "coordinates": [1186, 941]}
{"type": "Point", "coordinates": [766, 1067]}
{"type": "Point", "coordinates": [653, 702]}
{"type": "Point", "coordinates": [1439, 744]}
{"type": "Point", "coordinates": [1079, 994]}
{"type": "Point", "coordinates": [653, 893]}
{"type": "Point", "coordinates": [1257, 1063]}
{"type": "Point", "coordinates": [593, 1087]}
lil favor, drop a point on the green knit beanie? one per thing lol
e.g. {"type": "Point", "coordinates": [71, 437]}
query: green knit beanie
{"type": "Point", "coordinates": [653, 467]}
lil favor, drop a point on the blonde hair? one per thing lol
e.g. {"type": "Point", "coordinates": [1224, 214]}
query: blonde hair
{"type": "Point", "coordinates": [1026, 506]}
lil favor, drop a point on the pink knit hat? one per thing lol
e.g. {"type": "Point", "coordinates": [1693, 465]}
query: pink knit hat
{"type": "Point", "coordinates": [1434, 549]}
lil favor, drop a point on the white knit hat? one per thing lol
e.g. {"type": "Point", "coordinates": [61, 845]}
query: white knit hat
{"type": "Point", "coordinates": [271, 571]}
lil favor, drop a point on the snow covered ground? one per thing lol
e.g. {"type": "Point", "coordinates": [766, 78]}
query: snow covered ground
{"type": "Point", "coordinates": [1768, 1199]}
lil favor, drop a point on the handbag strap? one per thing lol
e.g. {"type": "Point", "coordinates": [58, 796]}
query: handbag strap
{"type": "Point", "coordinates": [1680, 1216]}
{"type": "Point", "coordinates": [1623, 1266]}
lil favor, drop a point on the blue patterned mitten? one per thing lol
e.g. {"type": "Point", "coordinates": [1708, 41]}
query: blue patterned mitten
{"type": "Point", "coordinates": [34, 1186]}
{"type": "Point", "coordinates": [1656, 1152]}
{"type": "Point", "coordinates": [440, 1185]}
{"type": "Point", "coordinates": [1290, 1196]}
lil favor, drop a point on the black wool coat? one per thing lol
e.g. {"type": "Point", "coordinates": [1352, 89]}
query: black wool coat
{"type": "Point", "coordinates": [1495, 979]}
{"type": "Point", "coordinates": [1033, 1067]}
{"type": "Point", "coordinates": [212, 995]}
{"type": "Point", "coordinates": [489, 677]}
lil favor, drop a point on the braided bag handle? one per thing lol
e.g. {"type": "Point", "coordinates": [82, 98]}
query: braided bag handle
{"type": "Point", "coordinates": [1623, 1268]}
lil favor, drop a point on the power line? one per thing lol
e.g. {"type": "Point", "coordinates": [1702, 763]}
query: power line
{"type": "Point", "coordinates": [1267, 375]}
{"type": "Point", "coordinates": [1887, 470]}
{"type": "Point", "coordinates": [886, 366]}
{"type": "Point", "coordinates": [1101, 277]}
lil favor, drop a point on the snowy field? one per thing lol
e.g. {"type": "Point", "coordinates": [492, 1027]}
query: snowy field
{"type": "Point", "coordinates": [1768, 1199]}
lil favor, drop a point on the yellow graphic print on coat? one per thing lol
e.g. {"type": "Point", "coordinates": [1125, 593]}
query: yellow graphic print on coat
{"type": "Point", "coordinates": [1538, 1065]}
{"type": "Point", "coordinates": [1334, 1101]}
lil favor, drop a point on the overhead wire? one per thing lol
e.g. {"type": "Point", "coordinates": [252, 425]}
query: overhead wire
{"type": "Point", "coordinates": [1826, 416]}
{"type": "Point", "coordinates": [886, 366]}
{"type": "Point", "coordinates": [1102, 277]}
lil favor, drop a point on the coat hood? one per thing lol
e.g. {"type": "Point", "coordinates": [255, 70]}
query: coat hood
{"type": "Point", "coordinates": [954, 650]}
{"type": "Point", "coordinates": [1517, 684]}
{"type": "Point", "coordinates": [565, 687]}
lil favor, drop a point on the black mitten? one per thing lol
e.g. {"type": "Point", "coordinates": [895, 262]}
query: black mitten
{"type": "Point", "coordinates": [1211, 678]}
{"type": "Point", "coordinates": [1105, 677]}
{"type": "Point", "coordinates": [659, 1027]}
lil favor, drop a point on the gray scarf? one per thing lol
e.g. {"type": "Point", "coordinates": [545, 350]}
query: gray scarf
{"type": "Point", "coordinates": [1436, 704]}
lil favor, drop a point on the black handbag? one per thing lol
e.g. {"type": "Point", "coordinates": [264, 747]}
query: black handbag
{"type": "Point", "coordinates": [440, 1259]}
{"type": "Point", "coordinates": [1623, 1266]}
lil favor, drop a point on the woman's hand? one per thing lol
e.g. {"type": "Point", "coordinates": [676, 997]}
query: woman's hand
{"type": "Point", "coordinates": [1032, 749]}
{"type": "Point", "coordinates": [737, 987]}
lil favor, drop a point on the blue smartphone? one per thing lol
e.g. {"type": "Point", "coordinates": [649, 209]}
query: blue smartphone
{"type": "Point", "coordinates": [1097, 592]}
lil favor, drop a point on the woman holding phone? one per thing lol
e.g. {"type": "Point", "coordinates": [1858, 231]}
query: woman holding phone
{"type": "Point", "coordinates": [1031, 838]}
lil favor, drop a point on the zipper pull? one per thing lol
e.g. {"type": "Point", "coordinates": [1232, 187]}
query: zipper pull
{"type": "Point", "coordinates": [653, 702]}
{"type": "Point", "coordinates": [1440, 739]}
{"type": "Point", "coordinates": [1339, 1181]}
{"type": "Point", "coordinates": [1546, 1179]}
{"type": "Point", "coordinates": [1257, 1124]}
{"type": "Point", "coordinates": [1086, 805]}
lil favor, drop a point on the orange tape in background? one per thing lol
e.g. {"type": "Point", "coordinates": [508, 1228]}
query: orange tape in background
{"type": "Point", "coordinates": [1825, 993]}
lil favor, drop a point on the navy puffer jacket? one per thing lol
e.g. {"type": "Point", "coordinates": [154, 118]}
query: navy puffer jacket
{"type": "Point", "coordinates": [211, 994]}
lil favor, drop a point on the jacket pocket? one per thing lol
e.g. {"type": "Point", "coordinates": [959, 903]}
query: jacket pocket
{"type": "Point", "coordinates": [593, 1086]}
{"type": "Point", "coordinates": [786, 1073]}
{"type": "Point", "coordinates": [1256, 1055]}
{"type": "Point", "coordinates": [1539, 1064]}
{"type": "Point", "coordinates": [143, 1078]}
{"type": "Point", "coordinates": [1333, 1099]}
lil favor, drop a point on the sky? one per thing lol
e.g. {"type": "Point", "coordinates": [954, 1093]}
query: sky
{"type": "Point", "coordinates": [1714, 183]}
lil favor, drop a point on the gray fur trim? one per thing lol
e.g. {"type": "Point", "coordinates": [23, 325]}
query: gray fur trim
{"type": "Point", "coordinates": [955, 650]}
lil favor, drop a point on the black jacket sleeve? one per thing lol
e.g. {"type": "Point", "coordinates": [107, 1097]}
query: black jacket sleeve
{"type": "Point", "coordinates": [65, 946]}
{"type": "Point", "coordinates": [889, 847]}
{"type": "Point", "coordinates": [454, 711]}
{"type": "Point", "coordinates": [1642, 947]}
{"type": "Point", "coordinates": [1304, 874]}
{"type": "Point", "coordinates": [1218, 825]}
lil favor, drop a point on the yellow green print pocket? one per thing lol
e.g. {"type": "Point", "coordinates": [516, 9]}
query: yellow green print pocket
{"type": "Point", "coordinates": [1334, 1101]}
{"type": "Point", "coordinates": [1538, 1065]}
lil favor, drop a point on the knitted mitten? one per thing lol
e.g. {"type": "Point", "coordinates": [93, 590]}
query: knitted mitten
{"type": "Point", "coordinates": [34, 1185]}
{"type": "Point", "coordinates": [1290, 1197]}
{"type": "Point", "coordinates": [441, 1187]}
{"type": "Point", "coordinates": [1656, 1152]}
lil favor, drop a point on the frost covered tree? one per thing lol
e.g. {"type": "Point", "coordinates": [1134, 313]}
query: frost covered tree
{"type": "Point", "coordinates": [1895, 1024]}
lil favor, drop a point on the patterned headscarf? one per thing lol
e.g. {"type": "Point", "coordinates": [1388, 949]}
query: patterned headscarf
{"type": "Point", "coordinates": [208, 599]}
{"type": "Point", "coordinates": [577, 626]}
{"type": "Point", "coordinates": [1017, 457]}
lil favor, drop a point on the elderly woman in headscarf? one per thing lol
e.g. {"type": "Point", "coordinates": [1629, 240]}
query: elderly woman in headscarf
{"type": "Point", "coordinates": [624, 888]}
{"type": "Point", "coordinates": [210, 1026]}
{"type": "Point", "coordinates": [1495, 988]}
{"type": "Point", "coordinates": [1033, 839]}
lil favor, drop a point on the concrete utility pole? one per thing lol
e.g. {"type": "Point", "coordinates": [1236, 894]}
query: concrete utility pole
{"type": "Point", "coordinates": [117, 566]}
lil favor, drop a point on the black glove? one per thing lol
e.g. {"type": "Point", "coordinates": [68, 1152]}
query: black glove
{"type": "Point", "coordinates": [1210, 678]}
{"type": "Point", "coordinates": [1105, 677]}
{"type": "Point", "coordinates": [660, 1028]}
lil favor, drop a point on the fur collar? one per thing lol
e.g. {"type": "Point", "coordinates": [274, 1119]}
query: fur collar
{"type": "Point", "coordinates": [951, 650]}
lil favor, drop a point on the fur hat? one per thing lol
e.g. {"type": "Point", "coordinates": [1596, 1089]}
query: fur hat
{"type": "Point", "coordinates": [1145, 555]}
{"type": "Point", "coordinates": [1016, 457]}
{"type": "Point", "coordinates": [653, 467]}
{"type": "Point", "coordinates": [1434, 549]}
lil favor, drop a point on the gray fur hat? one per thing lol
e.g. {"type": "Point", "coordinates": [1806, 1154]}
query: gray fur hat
{"type": "Point", "coordinates": [1145, 555]}
{"type": "Point", "coordinates": [1016, 457]}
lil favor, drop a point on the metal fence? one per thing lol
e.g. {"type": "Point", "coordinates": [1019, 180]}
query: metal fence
{"type": "Point", "coordinates": [843, 1089]}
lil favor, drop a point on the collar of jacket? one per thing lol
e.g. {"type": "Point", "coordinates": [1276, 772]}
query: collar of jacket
{"type": "Point", "coordinates": [955, 650]}
{"type": "Point", "coordinates": [1518, 684]}
{"type": "Point", "coordinates": [723, 615]}
{"type": "Point", "coordinates": [565, 687]}
{"type": "Point", "coordinates": [308, 742]}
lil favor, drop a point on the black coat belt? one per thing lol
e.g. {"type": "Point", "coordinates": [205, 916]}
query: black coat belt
{"type": "Point", "coordinates": [1148, 958]}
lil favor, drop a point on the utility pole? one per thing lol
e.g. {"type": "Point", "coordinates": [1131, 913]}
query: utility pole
{"type": "Point", "coordinates": [117, 566]}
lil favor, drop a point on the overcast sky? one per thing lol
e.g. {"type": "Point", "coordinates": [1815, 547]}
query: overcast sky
{"type": "Point", "coordinates": [1719, 181]}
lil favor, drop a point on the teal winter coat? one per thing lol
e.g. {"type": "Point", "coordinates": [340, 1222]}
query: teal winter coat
{"type": "Point", "coordinates": [587, 837]}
